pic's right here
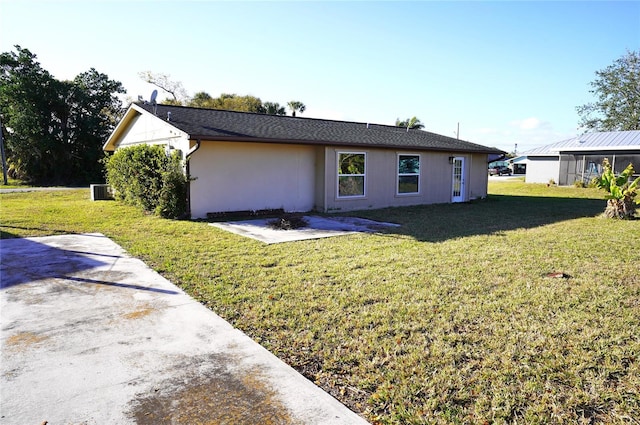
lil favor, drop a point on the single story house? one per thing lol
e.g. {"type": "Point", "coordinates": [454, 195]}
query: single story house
{"type": "Point", "coordinates": [580, 158]}
{"type": "Point", "coordinates": [243, 161]}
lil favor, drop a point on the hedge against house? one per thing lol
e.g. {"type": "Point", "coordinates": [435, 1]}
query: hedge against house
{"type": "Point", "coordinates": [145, 176]}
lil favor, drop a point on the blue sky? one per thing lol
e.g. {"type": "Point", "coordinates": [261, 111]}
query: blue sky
{"type": "Point", "coordinates": [509, 72]}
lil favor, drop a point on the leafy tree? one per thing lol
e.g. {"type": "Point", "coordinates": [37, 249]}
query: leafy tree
{"type": "Point", "coordinates": [226, 101]}
{"type": "Point", "coordinates": [273, 108]}
{"type": "Point", "coordinates": [200, 100]}
{"type": "Point", "coordinates": [621, 191]}
{"type": "Point", "coordinates": [229, 102]}
{"type": "Point", "coordinates": [172, 102]}
{"type": "Point", "coordinates": [234, 102]}
{"type": "Point", "coordinates": [163, 82]}
{"type": "Point", "coordinates": [411, 123]}
{"type": "Point", "coordinates": [25, 94]}
{"type": "Point", "coordinates": [55, 129]}
{"type": "Point", "coordinates": [295, 105]}
{"type": "Point", "coordinates": [617, 89]}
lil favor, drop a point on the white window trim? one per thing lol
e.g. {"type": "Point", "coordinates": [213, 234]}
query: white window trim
{"type": "Point", "coordinates": [338, 175]}
{"type": "Point", "coordinates": [398, 174]}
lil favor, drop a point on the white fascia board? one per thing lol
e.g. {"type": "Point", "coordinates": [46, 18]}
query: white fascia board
{"type": "Point", "coordinates": [536, 155]}
{"type": "Point", "coordinates": [635, 148]}
{"type": "Point", "coordinates": [132, 112]}
{"type": "Point", "coordinates": [119, 127]}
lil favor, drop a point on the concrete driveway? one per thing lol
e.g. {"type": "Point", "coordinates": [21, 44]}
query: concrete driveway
{"type": "Point", "coordinates": [91, 335]}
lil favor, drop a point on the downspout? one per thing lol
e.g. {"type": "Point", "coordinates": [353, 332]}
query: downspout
{"type": "Point", "coordinates": [192, 150]}
{"type": "Point", "coordinates": [186, 160]}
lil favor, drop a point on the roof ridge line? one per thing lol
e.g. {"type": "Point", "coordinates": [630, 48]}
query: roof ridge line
{"type": "Point", "coordinates": [369, 123]}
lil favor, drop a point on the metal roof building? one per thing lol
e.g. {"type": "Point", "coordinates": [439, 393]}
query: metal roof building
{"type": "Point", "coordinates": [580, 158]}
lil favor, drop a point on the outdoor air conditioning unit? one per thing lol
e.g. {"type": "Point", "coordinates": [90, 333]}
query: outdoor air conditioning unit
{"type": "Point", "coordinates": [100, 192]}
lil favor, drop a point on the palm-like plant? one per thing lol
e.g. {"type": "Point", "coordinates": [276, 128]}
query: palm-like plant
{"type": "Point", "coordinates": [273, 108]}
{"type": "Point", "coordinates": [295, 105]}
{"type": "Point", "coordinates": [412, 123]}
{"type": "Point", "coordinates": [621, 191]}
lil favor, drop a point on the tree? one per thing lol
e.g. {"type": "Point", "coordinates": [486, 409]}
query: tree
{"type": "Point", "coordinates": [410, 123]}
{"type": "Point", "coordinates": [617, 90]}
{"type": "Point", "coordinates": [93, 110]}
{"type": "Point", "coordinates": [200, 100]}
{"type": "Point", "coordinates": [273, 108]}
{"type": "Point", "coordinates": [163, 82]}
{"type": "Point", "coordinates": [295, 105]}
{"type": "Point", "coordinates": [226, 101]}
{"type": "Point", "coordinates": [55, 129]}
{"type": "Point", "coordinates": [25, 93]}
{"type": "Point", "coordinates": [233, 102]}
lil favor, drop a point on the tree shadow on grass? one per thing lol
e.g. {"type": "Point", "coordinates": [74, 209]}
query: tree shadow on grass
{"type": "Point", "coordinates": [497, 213]}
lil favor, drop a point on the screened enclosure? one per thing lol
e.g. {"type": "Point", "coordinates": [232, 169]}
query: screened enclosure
{"type": "Point", "coordinates": [579, 167]}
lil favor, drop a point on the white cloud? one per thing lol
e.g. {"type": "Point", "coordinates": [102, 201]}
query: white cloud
{"type": "Point", "coordinates": [531, 123]}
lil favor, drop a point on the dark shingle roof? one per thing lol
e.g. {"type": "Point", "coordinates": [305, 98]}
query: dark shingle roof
{"type": "Point", "coordinates": [213, 124]}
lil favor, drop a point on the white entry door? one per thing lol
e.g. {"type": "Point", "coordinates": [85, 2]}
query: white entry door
{"type": "Point", "coordinates": [457, 191]}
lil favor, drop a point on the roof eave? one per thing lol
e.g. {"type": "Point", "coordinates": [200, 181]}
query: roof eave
{"type": "Point", "coordinates": [600, 148]}
{"type": "Point", "coordinates": [129, 115]}
{"type": "Point", "coordinates": [132, 112]}
{"type": "Point", "coordinates": [549, 154]}
{"type": "Point", "coordinates": [206, 138]}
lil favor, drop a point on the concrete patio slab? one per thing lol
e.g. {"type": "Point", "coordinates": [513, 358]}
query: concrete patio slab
{"type": "Point", "coordinates": [91, 335]}
{"type": "Point", "coordinates": [318, 227]}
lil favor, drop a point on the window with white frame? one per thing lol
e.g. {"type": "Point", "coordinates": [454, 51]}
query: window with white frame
{"type": "Point", "coordinates": [351, 174]}
{"type": "Point", "coordinates": [408, 174]}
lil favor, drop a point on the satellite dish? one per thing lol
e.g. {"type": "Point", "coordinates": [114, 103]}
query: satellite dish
{"type": "Point", "coordinates": [154, 94]}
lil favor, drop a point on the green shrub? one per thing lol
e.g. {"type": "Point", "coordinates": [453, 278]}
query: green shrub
{"type": "Point", "coordinates": [579, 184]}
{"type": "Point", "coordinates": [144, 176]}
{"type": "Point", "coordinates": [173, 193]}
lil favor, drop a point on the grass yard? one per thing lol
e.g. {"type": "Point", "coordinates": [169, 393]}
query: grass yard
{"type": "Point", "coordinates": [13, 184]}
{"type": "Point", "coordinates": [450, 318]}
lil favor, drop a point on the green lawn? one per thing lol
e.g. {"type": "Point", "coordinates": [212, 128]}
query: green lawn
{"type": "Point", "coordinates": [13, 184]}
{"type": "Point", "coordinates": [450, 318]}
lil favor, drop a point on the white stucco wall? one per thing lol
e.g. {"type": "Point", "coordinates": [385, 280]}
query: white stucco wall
{"type": "Point", "coordinates": [150, 130]}
{"type": "Point", "coordinates": [542, 169]}
{"type": "Point", "coordinates": [232, 176]}
{"type": "Point", "coordinates": [436, 179]}
{"type": "Point", "coordinates": [477, 177]}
